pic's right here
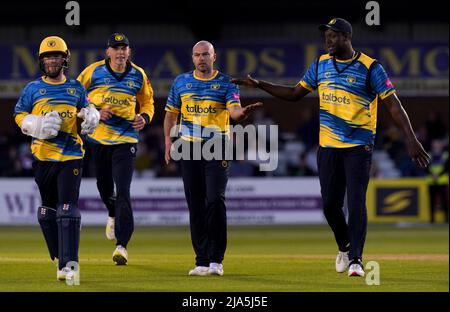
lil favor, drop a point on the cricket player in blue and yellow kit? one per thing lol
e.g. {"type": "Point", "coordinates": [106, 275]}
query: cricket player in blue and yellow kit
{"type": "Point", "coordinates": [204, 100]}
{"type": "Point", "coordinates": [47, 111]}
{"type": "Point", "coordinates": [116, 86]}
{"type": "Point", "coordinates": [349, 85]}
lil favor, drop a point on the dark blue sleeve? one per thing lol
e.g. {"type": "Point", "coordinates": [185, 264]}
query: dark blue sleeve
{"type": "Point", "coordinates": [309, 80]}
{"type": "Point", "coordinates": [380, 82]}
{"type": "Point", "coordinates": [84, 101]}
{"type": "Point", "coordinates": [173, 100]}
{"type": "Point", "coordinates": [233, 96]}
{"type": "Point", "coordinates": [25, 102]}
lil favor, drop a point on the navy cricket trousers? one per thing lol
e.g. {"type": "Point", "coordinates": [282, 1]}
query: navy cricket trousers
{"type": "Point", "coordinates": [114, 166]}
{"type": "Point", "coordinates": [205, 182]}
{"type": "Point", "coordinates": [341, 171]}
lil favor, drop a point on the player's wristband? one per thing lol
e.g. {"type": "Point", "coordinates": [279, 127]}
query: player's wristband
{"type": "Point", "coordinates": [146, 118]}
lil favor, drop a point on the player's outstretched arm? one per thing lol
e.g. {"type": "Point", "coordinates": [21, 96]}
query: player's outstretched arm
{"type": "Point", "coordinates": [287, 93]}
{"type": "Point", "coordinates": [239, 113]}
{"type": "Point", "coordinates": [398, 113]}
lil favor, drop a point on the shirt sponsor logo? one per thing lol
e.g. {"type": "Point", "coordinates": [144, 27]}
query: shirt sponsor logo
{"type": "Point", "coordinates": [201, 110]}
{"type": "Point", "coordinates": [63, 115]}
{"type": "Point", "coordinates": [388, 83]}
{"type": "Point", "coordinates": [112, 100]}
{"type": "Point", "coordinates": [331, 98]}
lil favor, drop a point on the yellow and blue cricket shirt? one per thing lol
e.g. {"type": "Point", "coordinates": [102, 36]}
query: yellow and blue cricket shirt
{"type": "Point", "coordinates": [348, 92]}
{"type": "Point", "coordinates": [121, 92]}
{"type": "Point", "coordinates": [67, 98]}
{"type": "Point", "coordinates": [203, 104]}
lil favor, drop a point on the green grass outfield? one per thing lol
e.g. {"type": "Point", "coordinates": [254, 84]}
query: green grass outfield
{"type": "Point", "coordinates": [264, 258]}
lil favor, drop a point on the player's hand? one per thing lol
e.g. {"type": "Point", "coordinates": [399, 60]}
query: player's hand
{"type": "Point", "coordinates": [91, 118]}
{"type": "Point", "coordinates": [139, 122]}
{"type": "Point", "coordinates": [105, 113]}
{"type": "Point", "coordinates": [42, 127]}
{"type": "Point", "coordinates": [417, 153]}
{"type": "Point", "coordinates": [168, 144]}
{"type": "Point", "coordinates": [247, 110]}
{"type": "Point", "coordinates": [51, 123]}
{"type": "Point", "coordinates": [246, 82]}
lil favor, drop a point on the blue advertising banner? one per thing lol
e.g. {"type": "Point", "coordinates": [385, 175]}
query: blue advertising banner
{"type": "Point", "coordinates": [417, 67]}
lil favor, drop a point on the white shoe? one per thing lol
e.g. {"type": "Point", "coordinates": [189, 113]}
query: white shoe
{"type": "Point", "coordinates": [342, 261]}
{"type": "Point", "coordinates": [215, 269]}
{"type": "Point", "coordinates": [199, 271]}
{"type": "Point", "coordinates": [356, 269]}
{"type": "Point", "coordinates": [110, 228]}
{"type": "Point", "coordinates": [61, 274]}
{"type": "Point", "coordinates": [120, 255]}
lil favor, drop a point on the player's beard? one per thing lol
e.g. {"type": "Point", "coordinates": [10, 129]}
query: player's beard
{"type": "Point", "coordinates": [54, 73]}
{"type": "Point", "coordinates": [204, 68]}
{"type": "Point", "coordinates": [337, 51]}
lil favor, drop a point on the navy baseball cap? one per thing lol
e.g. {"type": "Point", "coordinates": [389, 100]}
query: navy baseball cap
{"type": "Point", "coordinates": [118, 39]}
{"type": "Point", "coordinates": [339, 25]}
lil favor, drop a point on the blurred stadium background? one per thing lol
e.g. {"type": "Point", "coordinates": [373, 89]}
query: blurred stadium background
{"type": "Point", "coordinates": [274, 42]}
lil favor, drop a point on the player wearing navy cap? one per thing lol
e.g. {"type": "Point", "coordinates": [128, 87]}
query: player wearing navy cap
{"type": "Point", "coordinates": [350, 84]}
{"type": "Point", "coordinates": [116, 86]}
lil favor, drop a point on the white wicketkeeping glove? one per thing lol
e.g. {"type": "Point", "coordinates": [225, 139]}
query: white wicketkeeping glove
{"type": "Point", "coordinates": [91, 118]}
{"type": "Point", "coordinates": [42, 127]}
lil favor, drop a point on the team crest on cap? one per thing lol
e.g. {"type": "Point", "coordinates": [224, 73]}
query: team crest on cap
{"type": "Point", "coordinates": [71, 91]}
{"type": "Point", "coordinates": [130, 83]}
{"type": "Point", "coordinates": [332, 22]}
{"type": "Point", "coordinates": [51, 43]}
{"type": "Point", "coordinates": [215, 86]}
{"type": "Point", "coordinates": [351, 79]}
{"type": "Point", "coordinates": [118, 38]}
{"type": "Point", "coordinates": [42, 91]}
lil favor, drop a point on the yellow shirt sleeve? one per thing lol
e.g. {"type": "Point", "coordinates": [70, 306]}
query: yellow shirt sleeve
{"type": "Point", "coordinates": [85, 77]}
{"type": "Point", "coordinates": [145, 98]}
{"type": "Point", "coordinates": [305, 85]}
{"type": "Point", "coordinates": [19, 117]}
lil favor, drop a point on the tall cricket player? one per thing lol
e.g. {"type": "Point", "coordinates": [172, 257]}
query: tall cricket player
{"type": "Point", "coordinates": [350, 85]}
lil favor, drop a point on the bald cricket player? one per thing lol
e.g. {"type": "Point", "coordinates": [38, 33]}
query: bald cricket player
{"type": "Point", "coordinates": [204, 100]}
